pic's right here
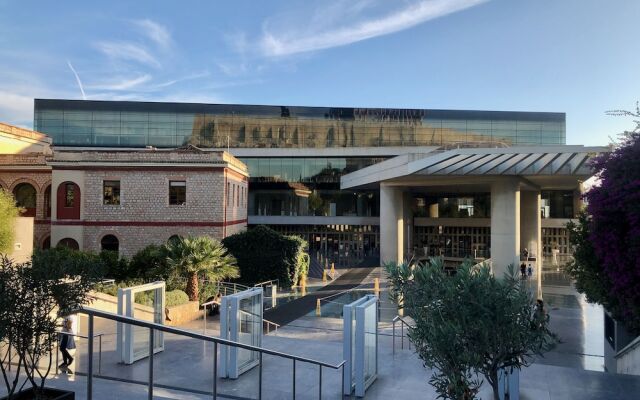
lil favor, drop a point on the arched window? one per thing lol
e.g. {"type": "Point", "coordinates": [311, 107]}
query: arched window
{"type": "Point", "coordinates": [69, 243]}
{"type": "Point", "coordinates": [47, 202]}
{"type": "Point", "coordinates": [46, 243]}
{"type": "Point", "coordinates": [68, 197]}
{"type": "Point", "coordinates": [110, 243]}
{"type": "Point", "coordinates": [25, 195]}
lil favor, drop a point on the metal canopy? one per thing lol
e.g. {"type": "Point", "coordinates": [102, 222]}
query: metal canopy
{"type": "Point", "coordinates": [530, 161]}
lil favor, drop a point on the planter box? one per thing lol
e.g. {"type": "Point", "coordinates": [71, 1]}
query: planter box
{"type": "Point", "coordinates": [50, 393]}
{"type": "Point", "coordinates": [183, 313]}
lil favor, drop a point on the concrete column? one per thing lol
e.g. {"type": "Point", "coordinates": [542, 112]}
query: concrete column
{"type": "Point", "coordinates": [505, 225]}
{"type": "Point", "coordinates": [407, 216]}
{"type": "Point", "coordinates": [531, 231]}
{"type": "Point", "coordinates": [391, 224]}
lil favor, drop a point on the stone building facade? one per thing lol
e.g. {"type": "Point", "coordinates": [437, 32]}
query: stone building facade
{"type": "Point", "coordinates": [24, 172]}
{"type": "Point", "coordinates": [125, 200]}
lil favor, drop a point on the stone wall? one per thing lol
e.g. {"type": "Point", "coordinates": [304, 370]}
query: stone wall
{"type": "Point", "coordinates": [144, 196]}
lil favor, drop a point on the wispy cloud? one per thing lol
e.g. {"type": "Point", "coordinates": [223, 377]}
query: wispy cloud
{"type": "Point", "coordinates": [122, 83]}
{"type": "Point", "coordinates": [84, 96]}
{"type": "Point", "coordinates": [16, 108]}
{"type": "Point", "coordinates": [159, 34]}
{"type": "Point", "coordinates": [128, 51]}
{"type": "Point", "coordinates": [301, 40]}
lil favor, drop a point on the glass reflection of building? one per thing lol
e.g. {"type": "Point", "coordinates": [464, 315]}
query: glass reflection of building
{"type": "Point", "coordinates": [296, 155]}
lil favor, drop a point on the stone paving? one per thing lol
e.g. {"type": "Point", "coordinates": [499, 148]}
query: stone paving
{"type": "Point", "coordinates": [571, 371]}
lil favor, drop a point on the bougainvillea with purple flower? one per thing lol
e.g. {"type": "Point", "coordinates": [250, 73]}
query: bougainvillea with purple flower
{"type": "Point", "coordinates": [613, 209]}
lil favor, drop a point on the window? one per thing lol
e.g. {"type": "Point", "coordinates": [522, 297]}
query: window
{"type": "Point", "coordinates": [111, 192]}
{"type": "Point", "coordinates": [110, 243]}
{"type": "Point", "coordinates": [69, 195]}
{"type": "Point", "coordinates": [69, 243]}
{"type": "Point", "coordinates": [228, 193]}
{"type": "Point", "coordinates": [25, 195]}
{"type": "Point", "coordinates": [177, 192]}
{"type": "Point", "coordinates": [47, 202]}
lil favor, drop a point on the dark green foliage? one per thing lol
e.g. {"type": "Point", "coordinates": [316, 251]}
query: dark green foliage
{"type": "Point", "coordinates": [263, 254]}
{"type": "Point", "coordinates": [149, 263]}
{"type": "Point", "coordinates": [32, 297]}
{"type": "Point", "coordinates": [116, 267]}
{"type": "Point", "coordinates": [469, 324]}
{"type": "Point", "coordinates": [195, 258]}
{"type": "Point", "coordinates": [585, 268]}
{"type": "Point", "coordinates": [208, 290]}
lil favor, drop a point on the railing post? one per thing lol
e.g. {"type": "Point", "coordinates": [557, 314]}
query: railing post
{"type": "Point", "coordinates": [294, 379]}
{"type": "Point", "coordinates": [260, 377]}
{"type": "Point", "coordinates": [320, 384]}
{"type": "Point", "coordinates": [90, 360]}
{"type": "Point", "coordinates": [393, 337]}
{"type": "Point", "coordinates": [215, 370]}
{"type": "Point", "coordinates": [151, 346]}
{"type": "Point", "coordinates": [100, 354]}
{"type": "Point", "coordinates": [401, 335]}
{"type": "Point", "coordinates": [342, 383]}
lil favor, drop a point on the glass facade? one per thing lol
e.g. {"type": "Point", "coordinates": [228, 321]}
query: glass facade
{"type": "Point", "coordinates": [472, 205]}
{"type": "Point", "coordinates": [308, 186]}
{"type": "Point", "coordinates": [344, 245]}
{"type": "Point", "coordinates": [557, 204]}
{"type": "Point", "coordinates": [135, 124]}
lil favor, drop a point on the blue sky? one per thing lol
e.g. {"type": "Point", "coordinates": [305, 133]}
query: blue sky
{"type": "Point", "coordinates": [575, 56]}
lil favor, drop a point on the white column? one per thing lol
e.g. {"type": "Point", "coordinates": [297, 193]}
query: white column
{"type": "Point", "coordinates": [531, 231]}
{"type": "Point", "coordinates": [505, 225]}
{"type": "Point", "coordinates": [391, 225]}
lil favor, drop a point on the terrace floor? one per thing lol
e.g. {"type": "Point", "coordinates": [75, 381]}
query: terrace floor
{"type": "Point", "coordinates": [184, 369]}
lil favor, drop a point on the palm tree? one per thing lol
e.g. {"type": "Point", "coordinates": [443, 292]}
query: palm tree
{"type": "Point", "coordinates": [194, 256]}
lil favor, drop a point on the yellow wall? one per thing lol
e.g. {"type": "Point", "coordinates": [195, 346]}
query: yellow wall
{"type": "Point", "coordinates": [23, 240]}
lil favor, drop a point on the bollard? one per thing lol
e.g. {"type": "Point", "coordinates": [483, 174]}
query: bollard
{"type": "Point", "coordinates": [303, 284]}
{"type": "Point", "coordinates": [324, 276]}
{"type": "Point", "coordinates": [333, 271]}
{"type": "Point", "coordinates": [274, 295]}
{"type": "Point", "coordinates": [318, 311]}
{"type": "Point", "coordinates": [376, 286]}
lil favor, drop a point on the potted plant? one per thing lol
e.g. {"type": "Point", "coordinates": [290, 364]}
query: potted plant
{"type": "Point", "coordinates": [32, 298]}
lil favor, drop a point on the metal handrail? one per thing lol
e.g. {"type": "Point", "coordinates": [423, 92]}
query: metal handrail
{"type": "Point", "coordinates": [212, 302]}
{"type": "Point", "coordinates": [402, 325]}
{"type": "Point", "coordinates": [152, 326]}
{"type": "Point", "coordinates": [268, 283]}
{"type": "Point", "coordinates": [632, 345]}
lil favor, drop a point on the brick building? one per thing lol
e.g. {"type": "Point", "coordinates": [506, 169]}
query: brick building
{"type": "Point", "coordinates": [123, 200]}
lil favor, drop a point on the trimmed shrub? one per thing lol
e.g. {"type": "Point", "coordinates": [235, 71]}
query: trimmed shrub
{"type": "Point", "coordinates": [116, 267]}
{"type": "Point", "coordinates": [175, 298]}
{"type": "Point", "coordinates": [148, 263]}
{"type": "Point", "coordinates": [263, 254]}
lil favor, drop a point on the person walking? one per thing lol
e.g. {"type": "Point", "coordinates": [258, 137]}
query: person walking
{"type": "Point", "coordinates": [540, 313]}
{"type": "Point", "coordinates": [529, 271]}
{"type": "Point", "coordinates": [67, 342]}
{"type": "Point", "coordinates": [523, 271]}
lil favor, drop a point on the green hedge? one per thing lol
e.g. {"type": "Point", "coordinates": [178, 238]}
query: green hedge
{"type": "Point", "coordinates": [175, 298]}
{"type": "Point", "coordinates": [263, 254]}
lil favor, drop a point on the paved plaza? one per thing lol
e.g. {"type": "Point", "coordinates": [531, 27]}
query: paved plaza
{"type": "Point", "coordinates": [184, 369]}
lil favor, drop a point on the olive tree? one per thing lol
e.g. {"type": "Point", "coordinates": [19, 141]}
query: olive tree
{"type": "Point", "coordinates": [469, 324]}
{"type": "Point", "coordinates": [32, 298]}
{"type": "Point", "coordinates": [8, 212]}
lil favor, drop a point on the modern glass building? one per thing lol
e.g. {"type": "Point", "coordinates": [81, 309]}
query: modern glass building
{"type": "Point", "coordinates": [296, 155]}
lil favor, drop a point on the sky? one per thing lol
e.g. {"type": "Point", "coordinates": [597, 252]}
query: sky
{"type": "Point", "coordinates": [580, 57]}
